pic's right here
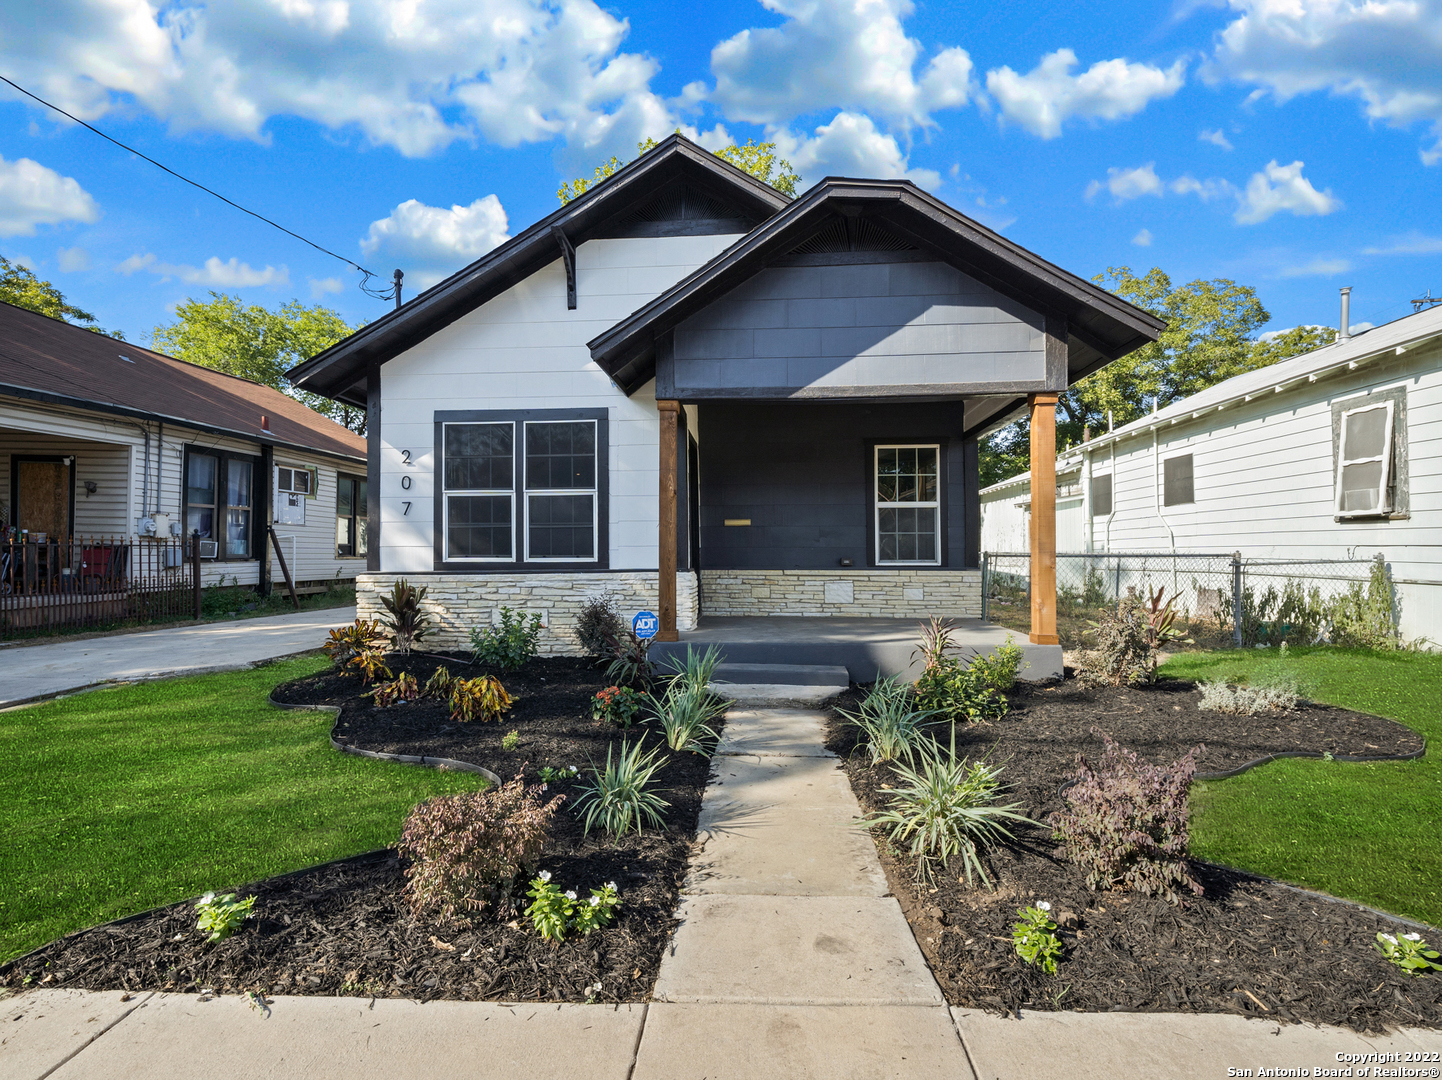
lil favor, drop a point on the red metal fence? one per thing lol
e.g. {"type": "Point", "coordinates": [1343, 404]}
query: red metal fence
{"type": "Point", "coordinates": [77, 583]}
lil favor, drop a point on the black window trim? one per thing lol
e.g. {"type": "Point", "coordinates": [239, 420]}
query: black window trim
{"type": "Point", "coordinates": [355, 515]}
{"type": "Point", "coordinates": [518, 564]}
{"type": "Point", "coordinates": [256, 510]}
{"type": "Point", "coordinates": [943, 509]}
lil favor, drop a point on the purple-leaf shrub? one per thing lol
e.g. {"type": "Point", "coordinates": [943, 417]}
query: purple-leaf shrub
{"type": "Point", "coordinates": [1125, 822]}
{"type": "Point", "coordinates": [467, 850]}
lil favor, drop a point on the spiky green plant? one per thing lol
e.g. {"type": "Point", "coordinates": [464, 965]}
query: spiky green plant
{"type": "Point", "coordinates": [944, 807]}
{"type": "Point", "coordinates": [694, 671]}
{"type": "Point", "coordinates": [685, 712]}
{"type": "Point", "coordinates": [889, 719]}
{"type": "Point", "coordinates": [616, 797]}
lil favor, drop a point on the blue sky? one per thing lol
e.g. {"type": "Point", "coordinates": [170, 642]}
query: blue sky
{"type": "Point", "coordinates": [1293, 145]}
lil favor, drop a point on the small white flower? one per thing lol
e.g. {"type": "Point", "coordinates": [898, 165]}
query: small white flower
{"type": "Point", "coordinates": [545, 875]}
{"type": "Point", "coordinates": [1042, 905]}
{"type": "Point", "coordinates": [1388, 937]}
{"type": "Point", "coordinates": [595, 901]}
{"type": "Point", "coordinates": [570, 894]}
{"type": "Point", "coordinates": [1413, 937]}
{"type": "Point", "coordinates": [611, 885]}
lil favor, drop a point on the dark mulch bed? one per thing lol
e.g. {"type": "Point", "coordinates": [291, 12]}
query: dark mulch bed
{"type": "Point", "coordinates": [1247, 946]}
{"type": "Point", "coordinates": [344, 928]}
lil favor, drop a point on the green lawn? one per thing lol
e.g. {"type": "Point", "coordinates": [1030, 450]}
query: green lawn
{"type": "Point", "coordinates": [125, 799]}
{"type": "Point", "coordinates": [1368, 832]}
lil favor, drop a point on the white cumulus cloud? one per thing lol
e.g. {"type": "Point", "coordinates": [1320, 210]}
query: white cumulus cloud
{"type": "Point", "coordinates": [322, 287]}
{"type": "Point", "coordinates": [436, 241]}
{"type": "Point", "coordinates": [852, 54]}
{"type": "Point", "coordinates": [73, 258]}
{"type": "Point", "coordinates": [850, 145]}
{"type": "Point", "coordinates": [31, 195]}
{"type": "Point", "coordinates": [1206, 190]}
{"type": "Point", "coordinates": [1387, 54]}
{"type": "Point", "coordinates": [1216, 138]}
{"type": "Point", "coordinates": [415, 75]}
{"type": "Point", "coordinates": [1127, 184]}
{"type": "Point", "coordinates": [1283, 187]}
{"type": "Point", "coordinates": [232, 274]}
{"type": "Point", "coordinates": [1050, 94]}
{"type": "Point", "coordinates": [1143, 238]}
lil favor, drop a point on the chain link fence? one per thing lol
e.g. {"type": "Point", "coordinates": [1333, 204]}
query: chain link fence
{"type": "Point", "coordinates": [1224, 601]}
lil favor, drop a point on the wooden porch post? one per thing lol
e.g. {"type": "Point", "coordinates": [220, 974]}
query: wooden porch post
{"type": "Point", "coordinates": [666, 539]}
{"type": "Point", "coordinates": [1042, 408]}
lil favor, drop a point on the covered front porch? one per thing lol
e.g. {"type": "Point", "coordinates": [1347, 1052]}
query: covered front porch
{"type": "Point", "coordinates": [867, 647]}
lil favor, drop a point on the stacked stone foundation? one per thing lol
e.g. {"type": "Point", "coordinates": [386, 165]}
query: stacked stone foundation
{"type": "Point", "coordinates": [460, 602]}
{"type": "Point", "coordinates": [899, 593]}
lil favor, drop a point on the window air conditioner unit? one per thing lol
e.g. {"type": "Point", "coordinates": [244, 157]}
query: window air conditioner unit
{"type": "Point", "coordinates": [209, 549]}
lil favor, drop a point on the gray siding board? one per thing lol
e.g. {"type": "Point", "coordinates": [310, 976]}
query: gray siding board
{"type": "Point", "coordinates": [867, 329]}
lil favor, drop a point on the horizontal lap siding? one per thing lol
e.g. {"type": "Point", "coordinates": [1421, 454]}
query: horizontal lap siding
{"type": "Point", "coordinates": [877, 324]}
{"type": "Point", "coordinates": [526, 350]}
{"type": "Point", "coordinates": [1263, 479]}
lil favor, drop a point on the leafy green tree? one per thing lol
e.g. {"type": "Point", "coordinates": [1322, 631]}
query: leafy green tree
{"type": "Point", "coordinates": [258, 344]}
{"type": "Point", "coordinates": [20, 286]}
{"type": "Point", "coordinates": [1209, 337]}
{"type": "Point", "coordinates": [758, 159]}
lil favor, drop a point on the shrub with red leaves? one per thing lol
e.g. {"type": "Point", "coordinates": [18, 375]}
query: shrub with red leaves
{"type": "Point", "coordinates": [1125, 822]}
{"type": "Point", "coordinates": [467, 850]}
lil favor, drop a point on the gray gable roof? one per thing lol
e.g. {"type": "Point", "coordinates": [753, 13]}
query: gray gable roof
{"type": "Point", "coordinates": [1100, 326]}
{"type": "Point", "coordinates": [604, 209]}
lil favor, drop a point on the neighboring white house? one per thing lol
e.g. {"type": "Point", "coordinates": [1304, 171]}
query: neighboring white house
{"type": "Point", "coordinates": [684, 382]}
{"type": "Point", "coordinates": [1334, 454]}
{"type": "Point", "coordinates": [107, 444]}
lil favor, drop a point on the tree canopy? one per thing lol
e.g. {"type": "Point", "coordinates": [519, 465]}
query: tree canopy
{"type": "Point", "coordinates": [20, 286]}
{"type": "Point", "coordinates": [1210, 336]}
{"type": "Point", "coordinates": [258, 344]}
{"type": "Point", "coordinates": [758, 159]}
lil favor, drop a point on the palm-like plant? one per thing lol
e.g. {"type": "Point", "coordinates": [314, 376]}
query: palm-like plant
{"type": "Point", "coordinates": [686, 712]}
{"type": "Point", "coordinates": [695, 671]}
{"type": "Point", "coordinates": [945, 807]}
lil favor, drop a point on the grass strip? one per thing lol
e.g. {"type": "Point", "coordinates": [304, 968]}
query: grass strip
{"type": "Point", "coordinates": [1367, 832]}
{"type": "Point", "coordinates": [124, 799]}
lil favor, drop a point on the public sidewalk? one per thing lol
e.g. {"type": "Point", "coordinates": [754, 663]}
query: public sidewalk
{"type": "Point", "coordinates": [791, 961]}
{"type": "Point", "coordinates": [28, 672]}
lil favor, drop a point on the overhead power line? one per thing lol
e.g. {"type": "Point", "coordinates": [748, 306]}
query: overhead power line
{"type": "Point", "coordinates": [380, 294]}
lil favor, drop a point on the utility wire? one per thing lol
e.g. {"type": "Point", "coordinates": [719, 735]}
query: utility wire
{"type": "Point", "coordinates": [386, 294]}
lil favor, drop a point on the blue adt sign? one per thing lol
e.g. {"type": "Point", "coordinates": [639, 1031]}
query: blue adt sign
{"type": "Point", "coordinates": [645, 624]}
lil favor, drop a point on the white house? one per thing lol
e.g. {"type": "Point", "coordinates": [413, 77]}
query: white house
{"type": "Point", "coordinates": [1333, 454]}
{"type": "Point", "coordinates": [107, 447]}
{"type": "Point", "coordinates": [690, 392]}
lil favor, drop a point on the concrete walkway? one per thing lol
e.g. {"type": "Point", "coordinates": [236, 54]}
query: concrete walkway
{"type": "Point", "coordinates": [791, 961]}
{"type": "Point", "coordinates": [28, 672]}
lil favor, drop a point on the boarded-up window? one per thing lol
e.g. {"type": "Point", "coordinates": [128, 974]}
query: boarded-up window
{"type": "Point", "coordinates": [1364, 460]}
{"type": "Point", "coordinates": [1177, 480]}
{"type": "Point", "coordinates": [1102, 495]}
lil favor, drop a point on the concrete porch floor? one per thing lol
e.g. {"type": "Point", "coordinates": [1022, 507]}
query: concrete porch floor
{"type": "Point", "coordinates": [865, 646]}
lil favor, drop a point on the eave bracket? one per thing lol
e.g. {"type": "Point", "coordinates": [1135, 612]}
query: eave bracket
{"type": "Point", "coordinates": [568, 257]}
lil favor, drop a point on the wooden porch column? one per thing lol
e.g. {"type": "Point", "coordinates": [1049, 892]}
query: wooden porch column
{"type": "Point", "coordinates": [1042, 408]}
{"type": "Point", "coordinates": [666, 539]}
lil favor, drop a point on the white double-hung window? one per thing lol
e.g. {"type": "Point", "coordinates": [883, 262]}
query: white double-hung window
{"type": "Point", "coordinates": [522, 490]}
{"type": "Point", "coordinates": [1364, 460]}
{"type": "Point", "coordinates": [908, 505]}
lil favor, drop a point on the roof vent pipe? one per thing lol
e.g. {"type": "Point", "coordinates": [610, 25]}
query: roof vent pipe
{"type": "Point", "coordinates": [1344, 329]}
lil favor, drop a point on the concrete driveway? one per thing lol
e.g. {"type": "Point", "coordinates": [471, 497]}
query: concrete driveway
{"type": "Point", "coordinates": [28, 672]}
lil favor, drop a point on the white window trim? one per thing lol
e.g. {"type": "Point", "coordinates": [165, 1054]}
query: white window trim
{"type": "Point", "coordinates": [1383, 506]}
{"type": "Point", "coordinates": [293, 470]}
{"type": "Point", "coordinates": [446, 494]}
{"type": "Point", "coordinates": [877, 505]}
{"type": "Point", "coordinates": [593, 491]}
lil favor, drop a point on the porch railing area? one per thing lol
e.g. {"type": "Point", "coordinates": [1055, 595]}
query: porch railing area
{"type": "Point", "coordinates": [48, 585]}
{"type": "Point", "coordinates": [1224, 600]}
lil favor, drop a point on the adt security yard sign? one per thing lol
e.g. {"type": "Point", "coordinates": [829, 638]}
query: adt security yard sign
{"type": "Point", "coordinates": [645, 624]}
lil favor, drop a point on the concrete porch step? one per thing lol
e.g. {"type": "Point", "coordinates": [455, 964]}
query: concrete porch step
{"type": "Point", "coordinates": [782, 674]}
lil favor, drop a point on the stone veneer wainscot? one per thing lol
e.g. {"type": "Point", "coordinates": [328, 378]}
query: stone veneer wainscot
{"type": "Point", "coordinates": [900, 593]}
{"type": "Point", "coordinates": [459, 602]}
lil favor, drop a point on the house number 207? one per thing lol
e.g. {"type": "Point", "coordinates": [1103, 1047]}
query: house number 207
{"type": "Point", "coordinates": [406, 480]}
